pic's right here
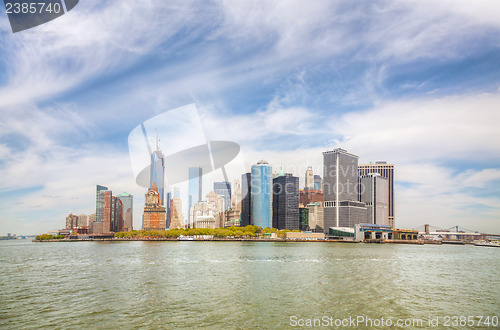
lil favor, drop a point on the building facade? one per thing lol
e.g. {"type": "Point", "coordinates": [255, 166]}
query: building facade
{"type": "Point", "coordinates": [155, 214]}
{"type": "Point", "coordinates": [246, 199]}
{"type": "Point", "coordinates": [303, 218]}
{"type": "Point", "coordinates": [374, 192]}
{"type": "Point", "coordinates": [310, 196]}
{"type": "Point", "coordinates": [157, 173]}
{"type": "Point", "coordinates": [104, 199]}
{"type": "Point", "coordinates": [316, 217]}
{"type": "Point", "coordinates": [286, 202]}
{"type": "Point", "coordinates": [176, 216]}
{"type": "Point", "coordinates": [223, 188]}
{"type": "Point", "coordinates": [309, 179]}
{"type": "Point", "coordinates": [195, 189]}
{"type": "Point", "coordinates": [318, 182]}
{"type": "Point", "coordinates": [262, 195]}
{"type": "Point", "coordinates": [386, 171]}
{"type": "Point", "coordinates": [340, 190]}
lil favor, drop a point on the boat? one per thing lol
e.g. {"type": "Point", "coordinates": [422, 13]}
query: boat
{"type": "Point", "coordinates": [488, 244]}
{"type": "Point", "coordinates": [185, 238]}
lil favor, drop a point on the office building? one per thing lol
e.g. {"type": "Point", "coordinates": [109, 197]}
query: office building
{"type": "Point", "coordinates": [318, 182]}
{"type": "Point", "coordinates": [340, 194]}
{"type": "Point", "coordinates": [309, 182]}
{"type": "Point", "coordinates": [286, 202]}
{"type": "Point", "coordinates": [246, 199]}
{"type": "Point", "coordinates": [71, 221]}
{"type": "Point", "coordinates": [155, 217]}
{"type": "Point", "coordinates": [386, 171]}
{"type": "Point", "coordinates": [128, 210]}
{"type": "Point", "coordinates": [223, 189]}
{"type": "Point", "coordinates": [195, 189]}
{"type": "Point", "coordinates": [205, 214]}
{"type": "Point", "coordinates": [218, 203]}
{"type": "Point", "coordinates": [176, 216]}
{"type": "Point", "coordinates": [104, 207]}
{"type": "Point", "coordinates": [116, 215]}
{"type": "Point", "coordinates": [157, 172]}
{"type": "Point", "coordinates": [262, 195]}
{"type": "Point", "coordinates": [374, 190]}
{"type": "Point", "coordinates": [83, 220]}
{"type": "Point", "coordinates": [316, 217]}
{"type": "Point", "coordinates": [303, 218]}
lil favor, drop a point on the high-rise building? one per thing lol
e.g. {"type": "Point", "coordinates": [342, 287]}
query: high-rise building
{"type": "Point", "coordinates": [375, 194]}
{"type": "Point", "coordinates": [316, 217]}
{"type": "Point", "coordinates": [104, 207]}
{"type": "Point", "coordinates": [195, 189]}
{"type": "Point", "coordinates": [128, 210]}
{"type": "Point", "coordinates": [155, 217]}
{"type": "Point", "coordinates": [286, 202]}
{"type": "Point", "coordinates": [176, 216]}
{"type": "Point", "coordinates": [71, 221]}
{"type": "Point", "coordinates": [318, 182]}
{"type": "Point", "coordinates": [309, 178]}
{"type": "Point", "coordinates": [262, 195]}
{"type": "Point", "coordinates": [223, 189]}
{"type": "Point", "coordinates": [209, 213]}
{"type": "Point", "coordinates": [340, 190]}
{"type": "Point", "coordinates": [177, 192]}
{"type": "Point", "coordinates": [246, 200]}
{"type": "Point", "coordinates": [83, 220]}
{"type": "Point", "coordinates": [157, 173]}
{"type": "Point", "coordinates": [386, 171]}
{"type": "Point", "coordinates": [116, 215]}
{"type": "Point", "coordinates": [218, 204]}
{"type": "Point", "coordinates": [303, 218]}
{"type": "Point", "coordinates": [236, 198]}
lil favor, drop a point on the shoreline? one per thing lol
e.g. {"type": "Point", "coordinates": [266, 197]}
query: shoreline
{"type": "Point", "coordinates": [143, 239]}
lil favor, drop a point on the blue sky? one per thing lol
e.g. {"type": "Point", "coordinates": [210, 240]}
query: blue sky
{"type": "Point", "coordinates": [415, 83]}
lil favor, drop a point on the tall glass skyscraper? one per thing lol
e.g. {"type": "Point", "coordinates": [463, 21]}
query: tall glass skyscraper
{"type": "Point", "coordinates": [223, 188]}
{"type": "Point", "coordinates": [128, 211]}
{"type": "Point", "coordinates": [157, 173]}
{"type": "Point", "coordinates": [195, 190]}
{"type": "Point", "coordinates": [246, 200]}
{"type": "Point", "coordinates": [286, 202]}
{"type": "Point", "coordinates": [262, 195]}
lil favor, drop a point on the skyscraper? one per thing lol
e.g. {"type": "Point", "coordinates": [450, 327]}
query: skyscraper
{"type": "Point", "coordinates": [195, 189]}
{"type": "Point", "coordinates": [309, 178]}
{"type": "Point", "coordinates": [155, 216]}
{"type": "Point", "coordinates": [157, 173]}
{"type": "Point", "coordinates": [223, 189]}
{"type": "Point", "coordinates": [116, 215]}
{"type": "Point", "coordinates": [386, 171]}
{"type": "Point", "coordinates": [104, 207]}
{"type": "Point", "coordinates": [317, 182]}
{"type": "Point", "coordinates": [374, 191]}
{"type": "Point", "coordinates": [246, 200]}
{"type": "Point", "coordinates": [340, 182]}
{"type": "Point", "coordinates": [286, 202]}
{"type": "Point", "coordinates": [176, 216]}
{"type": "Point", "coordinates": [128, 211]}
{"type": "Point", "coordinates": [262, 195]}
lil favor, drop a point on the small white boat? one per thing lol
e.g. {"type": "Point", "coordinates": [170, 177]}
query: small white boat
{"type": "Point", "coordinates": [185, 238]}
{"type": "Point", "coordinates": [489, 244]}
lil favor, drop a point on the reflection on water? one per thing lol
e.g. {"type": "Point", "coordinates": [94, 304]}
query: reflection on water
{"type": "Point", "coordinates": [239, 284]}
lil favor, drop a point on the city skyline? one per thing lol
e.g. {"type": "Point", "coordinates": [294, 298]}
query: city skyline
{"type": "Point", "coordinates": [415, 84]}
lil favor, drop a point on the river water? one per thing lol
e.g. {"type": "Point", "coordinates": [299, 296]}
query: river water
{"type": "Point", "coordinates": [243, 284]}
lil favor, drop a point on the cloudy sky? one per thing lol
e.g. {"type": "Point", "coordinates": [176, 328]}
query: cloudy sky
{"type": "Point", "coordinates": [415, 83]}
